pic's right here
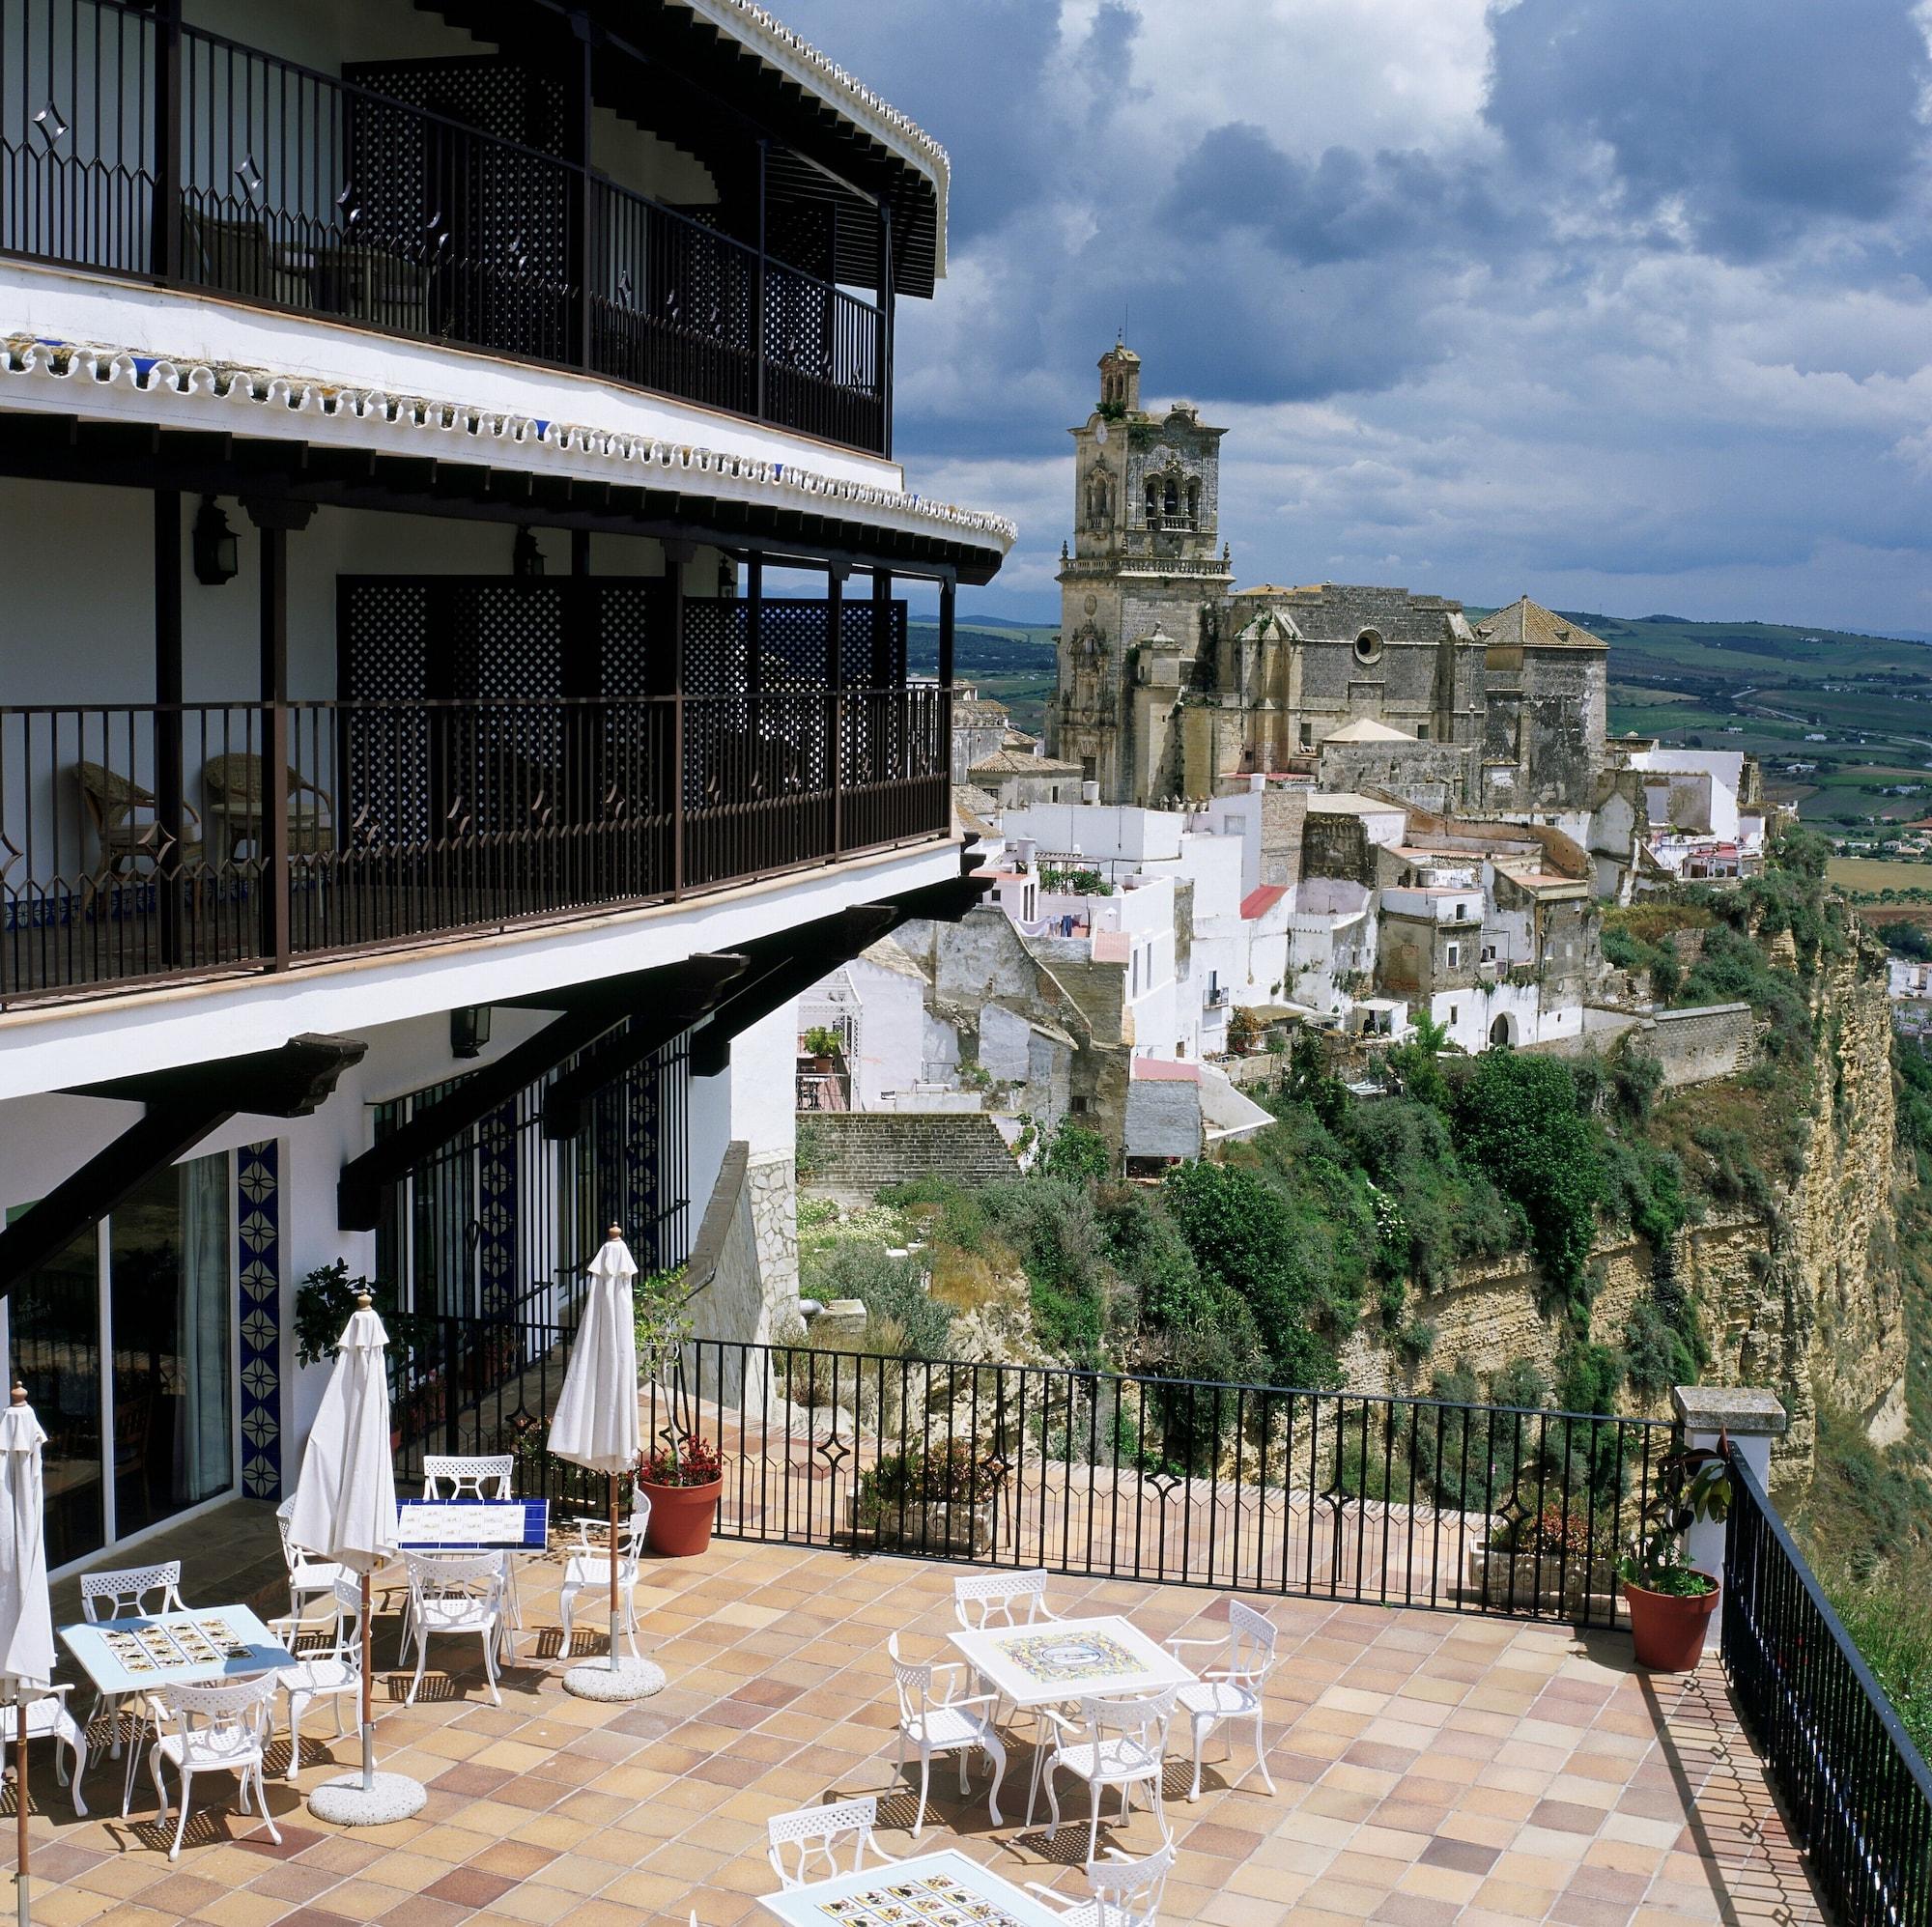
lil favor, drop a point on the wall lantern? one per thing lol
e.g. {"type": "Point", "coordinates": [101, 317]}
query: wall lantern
{"type": "Point", "coordinates": [217, 555]}
{"type": "Point", "coordinates": [526, 559]}
{"type": "Point", "coordinates": [468, 1029]}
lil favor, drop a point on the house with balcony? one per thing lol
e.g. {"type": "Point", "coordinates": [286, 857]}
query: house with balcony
{"type": "Point", "coordinates": [453, 687]}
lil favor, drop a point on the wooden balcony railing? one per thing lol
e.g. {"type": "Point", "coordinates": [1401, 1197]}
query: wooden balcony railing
{"type": "Point", "coordinates": [133, 148]}
{"type": "Point", "coordinates": [144, 842]}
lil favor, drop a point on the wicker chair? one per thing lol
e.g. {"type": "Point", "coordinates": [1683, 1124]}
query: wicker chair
{"type": "Point", "coordinates": [234, 784]}
{"type": "Point", "coordinates": [126, 824]}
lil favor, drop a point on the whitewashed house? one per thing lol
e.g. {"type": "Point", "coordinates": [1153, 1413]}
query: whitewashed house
{"type": "Point", "coordinates": [452, 677]}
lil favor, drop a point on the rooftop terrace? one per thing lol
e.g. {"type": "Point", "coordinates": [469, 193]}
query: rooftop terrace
{"type": "Point", "coordinates": [1432, 1767]}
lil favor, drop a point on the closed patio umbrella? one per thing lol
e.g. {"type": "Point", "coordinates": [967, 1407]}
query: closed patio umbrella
{"type": "Point", "coordinates": [346, 1511]}
{"type": "Point", "coordinates": [596, 1426]}
{"type": "Point", "coordinates": [26, 1619]}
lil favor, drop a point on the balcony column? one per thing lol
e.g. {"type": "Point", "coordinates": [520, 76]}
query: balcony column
{"type": "Point", "coordinates": [169, 723]}
{"type": "Point", "coordinates": [1749, 1417]}
{"type": "Point", "coordinates": [948, 597]}
{"type": "Point", "coordinates": [754, 623]}
{"type": "Point", "coordinates": [164, 227]}
{"type": "Point", "coordinates": [581, 260]}
{"type": "Point", "coordinates": [274, 519]}
{"type": "Point", "coordinates": [676, 556]}
{"type": "Point", "coordinates": [758, 294]}
{"type": "Point", "coordinates": [835, 699]}
{"type": "Point", "coordinates": [883, 372]}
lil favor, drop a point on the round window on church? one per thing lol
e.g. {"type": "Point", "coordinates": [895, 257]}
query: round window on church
{"type": "Point", "coordinates": [1369, 646]}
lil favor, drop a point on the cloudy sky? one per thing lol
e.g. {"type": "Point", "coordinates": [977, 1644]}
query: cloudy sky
{"type": "Point", "coordinates": [1622, 303]}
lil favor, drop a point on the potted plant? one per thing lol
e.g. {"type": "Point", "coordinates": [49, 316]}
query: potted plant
{"type": "Point", "coordinates": [937, 1501]}
{"type": "Point", "coordinates": [1671, 1601]}
{"type": "Point", "coordinates": [822, 1047]}
{"type": "Point", "coordinates": [681, 1477]}
{"type": "Point", "coordinates": [1545, 1560]}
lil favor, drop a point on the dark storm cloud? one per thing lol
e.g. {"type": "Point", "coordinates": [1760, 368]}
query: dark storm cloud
{"type": "Point", "coordinates": [1754, 117]}
{"type": "Point", "coordinates": [1341, 206]}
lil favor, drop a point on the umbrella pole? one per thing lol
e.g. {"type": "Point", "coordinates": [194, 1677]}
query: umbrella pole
{"type": "Point", "coordinates": [614, 1571]}
{"type": "Point", "coordinates": [368, 1722]}
{"type": "Point", "coordinates": [20, 1802]}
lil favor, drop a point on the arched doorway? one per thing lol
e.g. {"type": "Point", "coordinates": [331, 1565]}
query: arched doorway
{"type": "Point", "coordinates": [1502, 1033]}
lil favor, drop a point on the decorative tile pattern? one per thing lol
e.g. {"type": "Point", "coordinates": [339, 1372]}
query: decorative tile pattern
{"type": "Point", "coordinates": [259, 1232]}
{"type": "Point", "coordinates": [496, 1210]}
{"type": "Point", "coordinates": [1062, 1659]}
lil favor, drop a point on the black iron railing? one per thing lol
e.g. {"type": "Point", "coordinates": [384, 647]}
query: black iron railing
{"type": "Point", "coordinates": [137, 842]}
{"type": "Point", "coordinates": [1858, 1793]}
{"type": "Point", "coordinates": [1396, 1501]}
{"type": "Point", "coordinates": [208, 163]}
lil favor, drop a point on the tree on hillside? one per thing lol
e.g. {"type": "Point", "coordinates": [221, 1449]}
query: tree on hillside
{"type": "Point", "coordinates": [1245, 1236]}
{"type": "Point", "coordinates": [1517, 1118]}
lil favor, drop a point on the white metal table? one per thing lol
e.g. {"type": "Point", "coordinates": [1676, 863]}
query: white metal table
{"type": "Point", "coordinates": [934, 1890]}
{"type": "Point", "coordinates": [200, 1647]}
{"type": "Point", "coordinates": [1054, 1660]}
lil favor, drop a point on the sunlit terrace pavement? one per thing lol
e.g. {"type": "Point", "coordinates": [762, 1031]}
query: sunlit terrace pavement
{"type": "Point", "coordinates": [1432, 1767]}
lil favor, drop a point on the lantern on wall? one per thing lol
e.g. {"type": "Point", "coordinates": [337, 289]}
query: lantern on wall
{"type": "Point", "coordinates": [216, 554]}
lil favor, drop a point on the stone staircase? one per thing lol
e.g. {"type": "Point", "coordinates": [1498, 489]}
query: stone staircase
{"type": "Point", "coordinates": [855, 1152]}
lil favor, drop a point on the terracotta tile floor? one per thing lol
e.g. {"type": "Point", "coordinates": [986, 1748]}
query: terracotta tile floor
{"type": "Point", "coordinates": [1431, 1768]}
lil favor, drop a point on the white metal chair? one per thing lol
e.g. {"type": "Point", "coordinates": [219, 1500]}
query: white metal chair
{"type": "Point", "coordinates": [1115, 1743]}
{"type": "Point", "coordinates": [47, 1718]}
{"type": "Point", "coordinates": [936, 1720]}
{"type": "Point", "coordinates": [815, 1833]}
{"type": "Point", "coordinates": [477, 1476]}
{"type": "Point", "coordinates": [1126, 1892]}
{"type": "Point", "coordinates": [309, 1578]}
{"type": "Point", "coordinates": [128, 1592]}
{"type": "Point", "coordinates": [460, 1593]}
{"type": "Point", "coordinates": [586, 1571]}
{"type": "Point", "coordinates": [215, 1729]}
{"type": "Point", "coordinates": [1232, 1689]}
{"type": "Point", "coordinates": [335, 1673]}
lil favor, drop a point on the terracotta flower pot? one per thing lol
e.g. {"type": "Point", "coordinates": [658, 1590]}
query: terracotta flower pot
{"type": "Point", "coordinates": [1668, 1631]}
{"type": "Point", "coordinates": [681, 1517]}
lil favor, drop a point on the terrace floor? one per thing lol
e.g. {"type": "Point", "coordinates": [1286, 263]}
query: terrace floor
{"type": "Point", "coordinates": [1432, 1767]}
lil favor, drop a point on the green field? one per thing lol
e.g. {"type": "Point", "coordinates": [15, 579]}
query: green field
{"type": "Point", "coordinates": [1015, 666]}
{"type": "Point", "coordinates": [1860, 874]}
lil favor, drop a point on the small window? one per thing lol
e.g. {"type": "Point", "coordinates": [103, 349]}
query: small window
{"type": "Point", "coordinates": [1369, 646]}
{"type": "Point", "coordinates": [1489, 953]}
{"type": "Point", "coordinates": [1455, 1014]}
{"type": "Point", "coordinates": [1082, 1106]}
{"type": "Point", "coordinates": [1422, 732]}
{"type": "Point", "coordinates": [1307, 736]}
{"type": "Point", "coordinates": [1455, 955]}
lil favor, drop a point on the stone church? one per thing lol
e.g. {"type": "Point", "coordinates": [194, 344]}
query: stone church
{"type": "Point", "coordinates": [1175, 683]}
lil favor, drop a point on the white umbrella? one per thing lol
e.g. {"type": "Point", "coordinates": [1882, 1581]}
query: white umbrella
{"type": "Point", "coordinates": [345, 1511]}
{"type": "Point", "coordinates": [596, 1420]}
{"type": "Point", "coordinates": [26, 1618]}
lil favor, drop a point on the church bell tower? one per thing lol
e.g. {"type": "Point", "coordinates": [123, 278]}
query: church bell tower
{"type": "Point", "coordinates": [1142, 582]}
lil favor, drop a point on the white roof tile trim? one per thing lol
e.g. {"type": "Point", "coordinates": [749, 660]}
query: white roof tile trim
{"type": "Point", "coordinates": [27, 359]}
{"type": "Point", "coordinates": [753, 25]}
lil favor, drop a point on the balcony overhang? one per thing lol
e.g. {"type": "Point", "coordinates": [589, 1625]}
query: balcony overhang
{"type": "Point", "coordinates": [181, 1107]}
{"type": "Point", "coordinates": [127, 415]}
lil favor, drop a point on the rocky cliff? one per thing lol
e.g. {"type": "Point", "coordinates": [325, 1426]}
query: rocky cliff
{"type": "Point", "coordinates": [1804, 1296]}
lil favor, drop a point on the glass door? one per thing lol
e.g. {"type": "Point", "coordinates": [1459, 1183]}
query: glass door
{"type": "Point", "coordinates": [126, 1344]}
{"type": "Point", "coordinates": [54, 1334]}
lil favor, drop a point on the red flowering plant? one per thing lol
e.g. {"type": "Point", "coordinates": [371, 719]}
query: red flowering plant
{"type": "Point", "coordinates": [690, 1461]}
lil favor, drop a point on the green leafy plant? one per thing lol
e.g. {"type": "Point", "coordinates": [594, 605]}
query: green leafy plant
{"type": "Point", "coordinates": [1693, 1483]}
{"type": "Point", "coordinates": [325, 1299]}
{"type": "Point", "coordinates": [822, 1041]}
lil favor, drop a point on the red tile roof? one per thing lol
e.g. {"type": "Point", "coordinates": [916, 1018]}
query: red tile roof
{"type": "Point", "coordinates": [1259, 902]}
